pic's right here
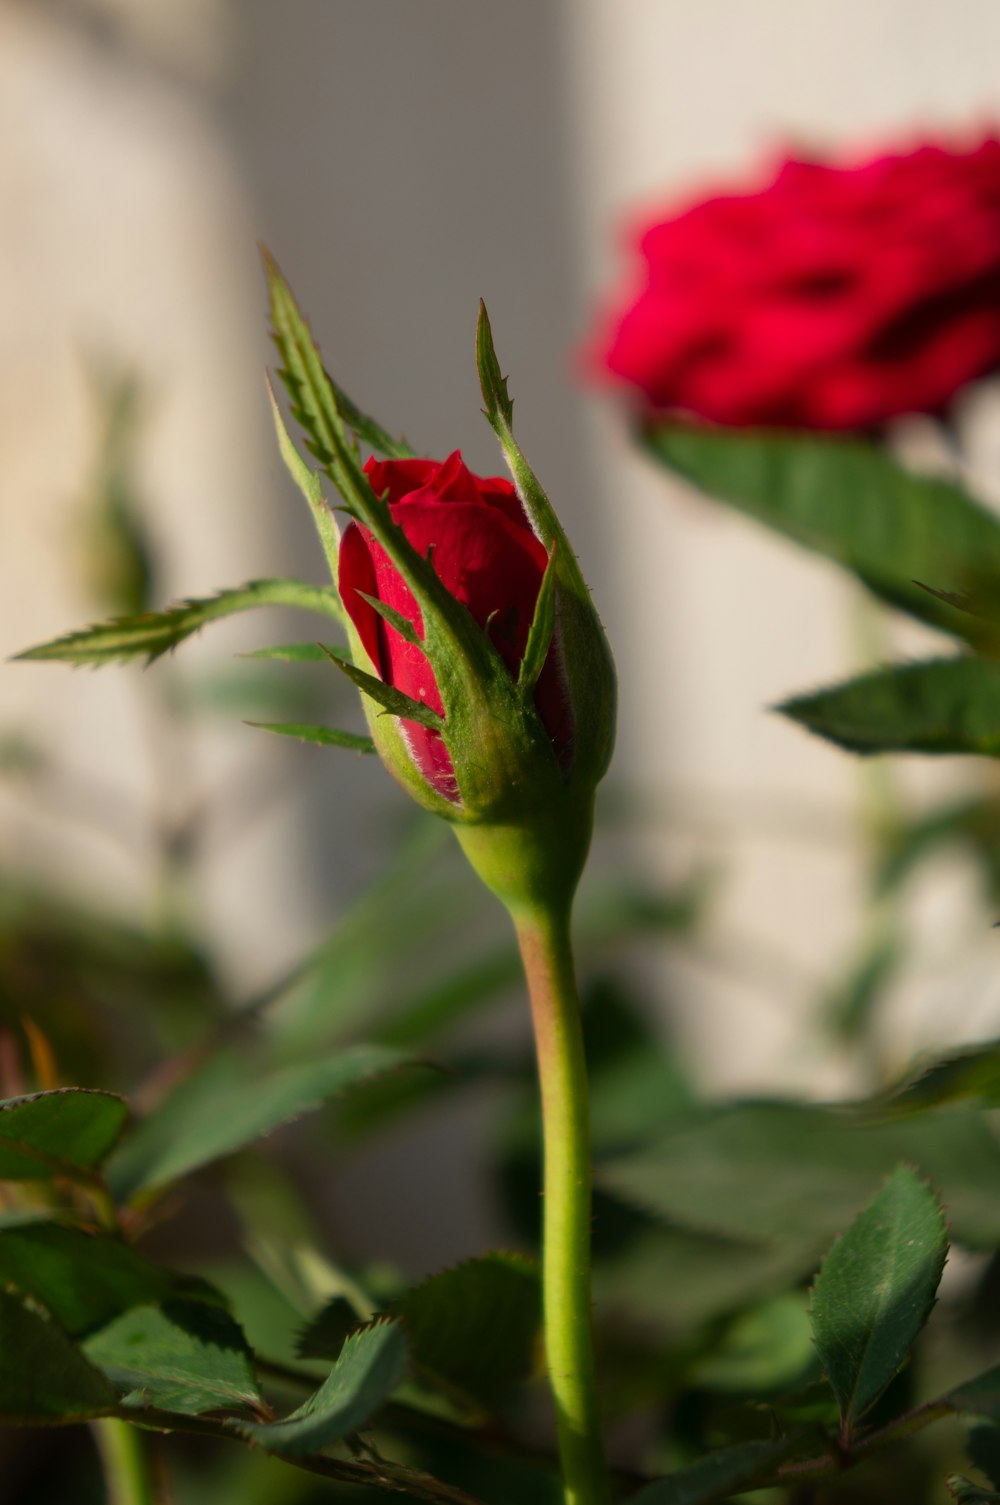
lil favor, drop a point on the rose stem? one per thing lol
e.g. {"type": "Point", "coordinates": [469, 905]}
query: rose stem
{"type": "Point", "coordinates": [123, 1459]}
{"type": "Point", "coordinates": [543, 935]}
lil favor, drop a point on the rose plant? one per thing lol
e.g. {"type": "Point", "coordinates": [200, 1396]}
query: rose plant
{"type": "Point", "coordinates": [458, 610]}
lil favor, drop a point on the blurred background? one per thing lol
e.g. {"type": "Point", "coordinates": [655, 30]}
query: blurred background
{"type": "Point", "coordinates": [401, 160]}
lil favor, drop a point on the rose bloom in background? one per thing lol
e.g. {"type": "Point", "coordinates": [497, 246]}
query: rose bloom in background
{"type": "Point", "coordinates": [836, 297]}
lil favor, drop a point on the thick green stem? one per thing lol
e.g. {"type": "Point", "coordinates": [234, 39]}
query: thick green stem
{"type": "Point", "coordinates": [543, 936]}
{"type": "Point", "coordinates": [123, 1457]}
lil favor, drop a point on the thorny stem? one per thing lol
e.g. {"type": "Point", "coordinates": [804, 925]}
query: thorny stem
{"type": "Point", "coordinates": [543, 936]}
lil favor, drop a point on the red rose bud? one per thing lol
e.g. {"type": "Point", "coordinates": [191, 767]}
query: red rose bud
{"type": "Point", "coordinates": [483, 551]}
{"type": "Point", "coordinates": [832, 298]}
{"type": "Point", "coordinates": [511, 668]}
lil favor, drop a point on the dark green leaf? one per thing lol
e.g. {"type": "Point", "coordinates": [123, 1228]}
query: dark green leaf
{"type": "Point", "coordinates": [977, 1397]}
{"type": "Point", "coordinates": [787, 1175]}
{"type": "Point", "coordinates": [765, 1350]}
{"type": "Point", "coordinates": [228, 1104]}
{"type": "Point", "coordinates": [84, 1279]}
{"type": "Point", "coordinates": [675, 1280]}
{"type": "Point", "coordinates": [325, 1335]}
{"type": "Point", "coordinates": [61, 1133]}
{"type": "Point", "coordinates": [476, 1327]}
{"type": "Point", "coordinates": [849, 501]}
{"type": "Point", "coordinates": [184, 1356]}
{"type": "Point", "coordinates": [942, 706]}
{"type": "Point", "coordinates": [982, 1447]}
{"type": "Point", "coordinates": [371, 1365]}
{"type": "Point", "coordinates": [967, 1493]}
{"type": "Point", "coordinates": [153, 633]}
{"type": "Point", "coordinates": [971, 1073]}
{"type": "Point", "coordinates": [729, 1471]}
{"type": "Point", "coordinates": [542, 627]}
{"type": "Point", "coordinates": [325, 736]}
{"type": "Point", "coordinates": [44, 1378]}
{"type": "Point", "coordinates": [876, 1289]}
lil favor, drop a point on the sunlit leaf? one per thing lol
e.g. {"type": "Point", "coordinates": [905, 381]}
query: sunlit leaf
{"type": "Point", "coordinates": [184, 1356]}
{"type": "Point", "coordinates": [371, 1364]}
{"type": "Point", "coordinates": [876, 1289]}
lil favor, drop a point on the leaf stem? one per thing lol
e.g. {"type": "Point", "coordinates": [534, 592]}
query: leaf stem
{"type": "Point", "coordinates": [123, 1459]}
{"type": "Point", "coordinates": [543, 935]}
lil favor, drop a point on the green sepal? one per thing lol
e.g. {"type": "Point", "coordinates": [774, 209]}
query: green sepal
{"type": "Point", "coordinates": [395, 618]}
{"type": "Point", "coordinates": [309, 484]}
{"type": "Point", "coordinates": [585, 655]}
{"type": "Point", "coordinates": [154, 633]}
{"type": "Point", "coordinates": [389, 698]}
{"type": "Point", "coordinates": [298, 653]}
{"type": "Point", "coordinates": [286, 315]}
{"type": "Point", "coordinates": [323, 736]}
{"type": "Point", "coordinates": [542, 627]}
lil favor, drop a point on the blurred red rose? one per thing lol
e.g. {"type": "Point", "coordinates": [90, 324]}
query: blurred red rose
{"type": "Point", "coordinates": [483, 551]}
{"type": "Point", "coordinates": [833, 298]}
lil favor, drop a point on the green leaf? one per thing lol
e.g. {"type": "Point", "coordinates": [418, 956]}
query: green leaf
{"type": "Point", "coordinates": [476, 1328]}
{"type": "Point", "coordinates": [325, 736]}
{"type": "Point", "coordinates": [977, 1397]}
{"type": "Point", "coordinates": [155, 633]}
{"type": "Point", "coordinates": [766, 1349]}
{"type": "Point", "coordinates": [391, 700]}
{"type": "Point", "coordinates": [299, 653]}
{"type": "Point", "coordinates": [718, 1475]}
{"type": "Point", "coordinates": [941, 706]}
{"type": "Point", "coordinates": [67, 1132]}
{"type": "Point", "coordinates": [184, 1356]}
{"type": "Point", "coordinates": [44, 1378]}
{"type": "Point", "coordinates": [84, 1279]}
{"type": "Point", "coordinates": [543, 623]}
{"type": "Point", "coordinates": [325, 1335]}
{"type": "Point", "coordinates": [310, 486]}
{"type": "Point", "coordinates": [875, 1291]}
{"type": "Point", "coordinates": [230, 1103]}
{"type": "Point", "coordinates": [787, 1175]}
{"type": "Point", "coordinates": [972, 1073]}
{"type": "Point", "coordinates": [967, 1493]}
{"type": "Point", "coordinates": [849, 501]}
{"type": "Point", "coordinates": [371, 1365]}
